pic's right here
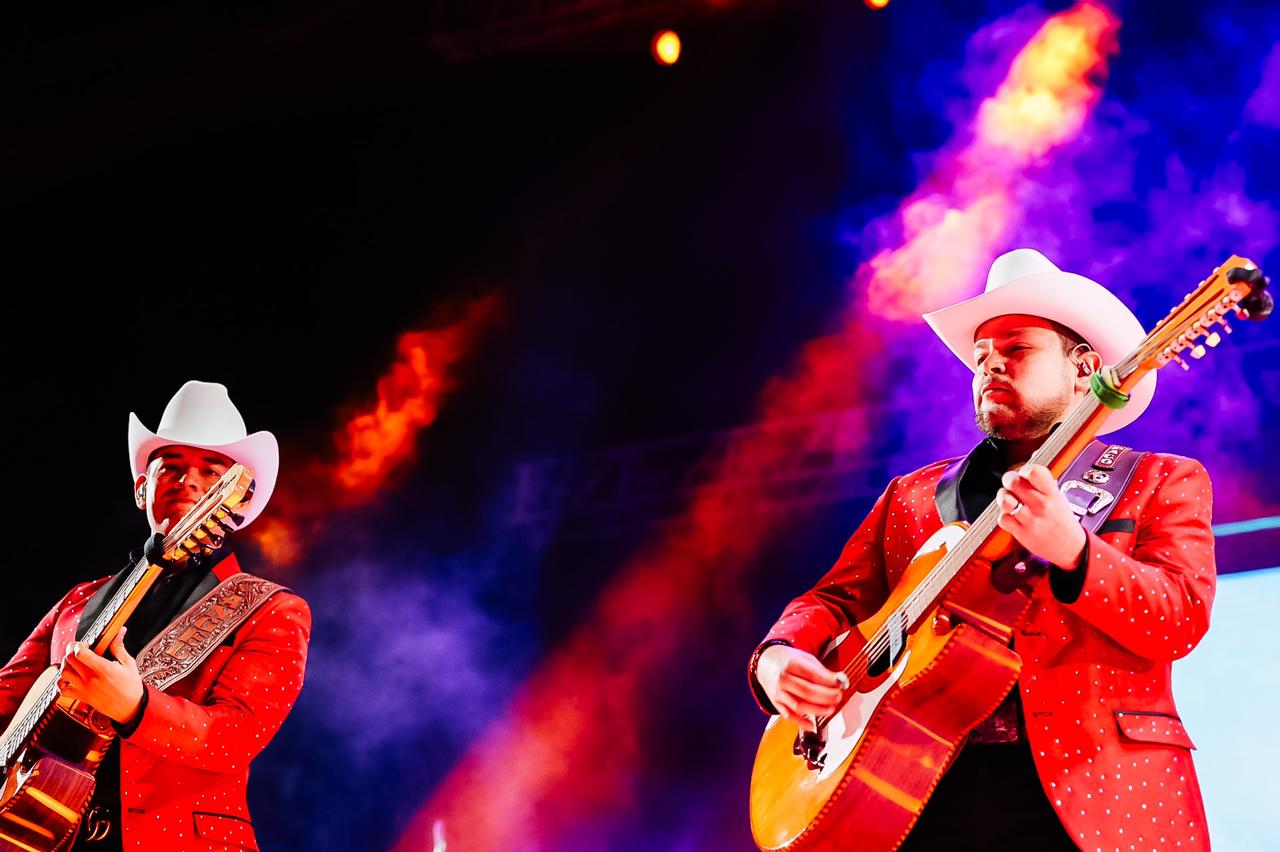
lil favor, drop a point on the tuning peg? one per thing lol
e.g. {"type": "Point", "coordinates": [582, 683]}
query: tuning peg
{"type": "Point", "coordinates": [1198, 351]}
{"type": "Point", "coordinates": [1257, 306]}
{"type": "Point", "coordinates": [216, 528]}
{"type": "Point", "coordinates": [1213, 339]}
{"type": "Point", "coordinates": [1181, 363]}
{"type": "Point", "coordinates": [228, 519]}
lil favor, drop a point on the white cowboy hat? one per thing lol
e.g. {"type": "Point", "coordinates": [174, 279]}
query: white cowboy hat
{"type": "Point", "coordinates": [201, 415]}
{"type": "Point", "coordinates": [1024, 281]}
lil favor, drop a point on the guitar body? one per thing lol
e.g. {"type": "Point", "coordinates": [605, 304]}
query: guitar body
{"type": "Point", "coordinates": [50, 782]}
{"type": "Point", "coordinates": [888, 746]}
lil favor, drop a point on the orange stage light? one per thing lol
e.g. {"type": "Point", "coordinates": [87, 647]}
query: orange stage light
{"type": "Point", "coordinates": [877, 4]}
{"type": "Point", "coordinates": [665, 47]}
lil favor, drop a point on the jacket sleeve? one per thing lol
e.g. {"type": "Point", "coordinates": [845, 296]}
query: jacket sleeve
{"type": "Point", "coordinates": [31, 659]}
{"type": "Point", "coordinates": [1156, 602]}
{"type": "Point", "coordinates": [248, 703]}
{"type": "Point", "coordinates": [854, 588]}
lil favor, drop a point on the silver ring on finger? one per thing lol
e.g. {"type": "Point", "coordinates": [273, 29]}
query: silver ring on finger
{"type": "Point", "coordinates": [1017, 507]}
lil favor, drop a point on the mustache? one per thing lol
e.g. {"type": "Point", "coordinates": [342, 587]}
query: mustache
{"type": "Point", "coordinates": [989, 384]}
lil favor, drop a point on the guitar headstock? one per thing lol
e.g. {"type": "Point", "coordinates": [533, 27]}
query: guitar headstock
{"type": "Point", "coordinates": [1236, 287]}
{"type": "Point", "coordinates": [204, 528]}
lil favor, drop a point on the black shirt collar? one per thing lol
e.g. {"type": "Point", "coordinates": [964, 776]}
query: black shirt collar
{"type": "Point", "coordinates": [969, 484]}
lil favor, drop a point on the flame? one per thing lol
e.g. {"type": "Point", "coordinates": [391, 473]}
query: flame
{"type": "Point", "coordinates": [1051, 86]}
{"type": "Point", "coordinates": [568, 748]}
{"type": "Point", "coordinates": [377, 440]}
{"type": "Point", "coordinates": [950, 235]}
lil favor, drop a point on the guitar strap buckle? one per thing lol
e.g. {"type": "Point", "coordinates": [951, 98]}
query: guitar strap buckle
{"type": "Point", "coordinates": [97, 824]}
{"type": "Point", "coordinates": [1086, 499]}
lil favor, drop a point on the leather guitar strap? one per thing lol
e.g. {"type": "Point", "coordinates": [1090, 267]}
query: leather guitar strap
{"type": "Point", "coordinates": [1092, 485]}
{"type": "Point", "coordinates": [192, 637]}
{"type": "Point", "coordinates": [1096, 481]}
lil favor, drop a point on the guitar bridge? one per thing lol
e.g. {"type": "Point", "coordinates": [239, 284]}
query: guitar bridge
{"type": "Point", "coordinates": [810, 745]}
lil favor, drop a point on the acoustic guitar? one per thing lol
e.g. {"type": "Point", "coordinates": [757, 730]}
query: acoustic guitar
{"type": "Point", "coordinates": [935, 660]}
{"type": "Point", "coordinates": [53, 745]}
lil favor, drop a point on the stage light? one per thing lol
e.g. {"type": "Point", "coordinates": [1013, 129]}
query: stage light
{"type": "Point", "coordinates": [877, 4]}
{"type": "Point", "coordinates": [665, 47]}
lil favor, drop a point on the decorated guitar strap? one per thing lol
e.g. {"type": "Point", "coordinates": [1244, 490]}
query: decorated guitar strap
{"type": "Point", "coordinates": [1092, 485]}
{"type": "Point", "coordinates": [193, 636]}
{"type": "Point", "coordinates": [1096, 480]}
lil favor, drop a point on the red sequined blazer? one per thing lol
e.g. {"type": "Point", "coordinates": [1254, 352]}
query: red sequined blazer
{"type": "Point", "coordinates": [184, 769]}
{"type": "Point", "coordinates": [1109, 747]}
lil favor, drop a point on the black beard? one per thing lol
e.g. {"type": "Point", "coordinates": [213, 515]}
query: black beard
{"type": "Point", "coordinates": [1032, 424]}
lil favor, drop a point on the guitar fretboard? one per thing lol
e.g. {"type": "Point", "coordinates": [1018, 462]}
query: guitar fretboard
{"type": "Point", "coordinates": [188, 536]}
{"type": "Point", "coordinates": [17, 736]}
{"type": "Point", "coordinates": [931, 590]}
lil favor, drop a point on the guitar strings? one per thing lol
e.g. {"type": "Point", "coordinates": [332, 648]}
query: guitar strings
{"type": "Point", "coordinates": [9, 745]}
{"type": "Point", "coordinates": [976, 535]}
{"type": "Point", "coordinates": [968, 546]}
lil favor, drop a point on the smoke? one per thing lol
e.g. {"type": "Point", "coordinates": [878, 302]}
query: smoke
{"type": "Point", "coordinates": [1263, 108]}
{"type": "Point", "coordinates": [570, 753]}
{"type": "Point", "coordinates": [410, 658]}
{"type": "Point", "coordinates": [1120, 184]}
{"type": "Point", "coordinates": [1149, 211]}
{"type": "Point", "coordinates": [970, 198]}
{"type": "Point", "coordinates": [397, 651]}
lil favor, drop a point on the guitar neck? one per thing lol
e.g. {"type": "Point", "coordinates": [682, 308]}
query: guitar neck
{"type": "Point", "coordinates": [201, 530]}
{"type": "Point", "coordinates": [120, 606]}
{"type": "Point", "coordinates": [105, 626]}
{"type": "Point", "coordinates": [984, 537]}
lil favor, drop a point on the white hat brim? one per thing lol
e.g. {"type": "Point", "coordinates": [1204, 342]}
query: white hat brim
{"type": "Point", "coordinates": [1082, 305]}
{"type": "Point", "coordinates": [260, 452]}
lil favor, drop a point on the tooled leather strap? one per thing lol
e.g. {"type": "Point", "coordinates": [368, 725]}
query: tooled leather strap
{"type": "Point", "coordinates": [192, 637]}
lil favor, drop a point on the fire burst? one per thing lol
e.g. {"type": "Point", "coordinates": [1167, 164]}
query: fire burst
{"type": "Point", "coordinates": [378, 439]}
{"type": "Point", "coordinates": [949, 235]}
{"type": "Point", "coordinates": [375, 442]}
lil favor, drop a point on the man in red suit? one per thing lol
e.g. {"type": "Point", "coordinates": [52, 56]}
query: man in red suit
{"type": "Point", "coordinates": [175, 776]}
{"type": "Point", "coordinates": [1088, 750]}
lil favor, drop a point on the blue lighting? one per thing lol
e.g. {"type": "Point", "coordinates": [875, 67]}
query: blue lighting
{"type": "Point", "coordinates": [1254, 525]}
